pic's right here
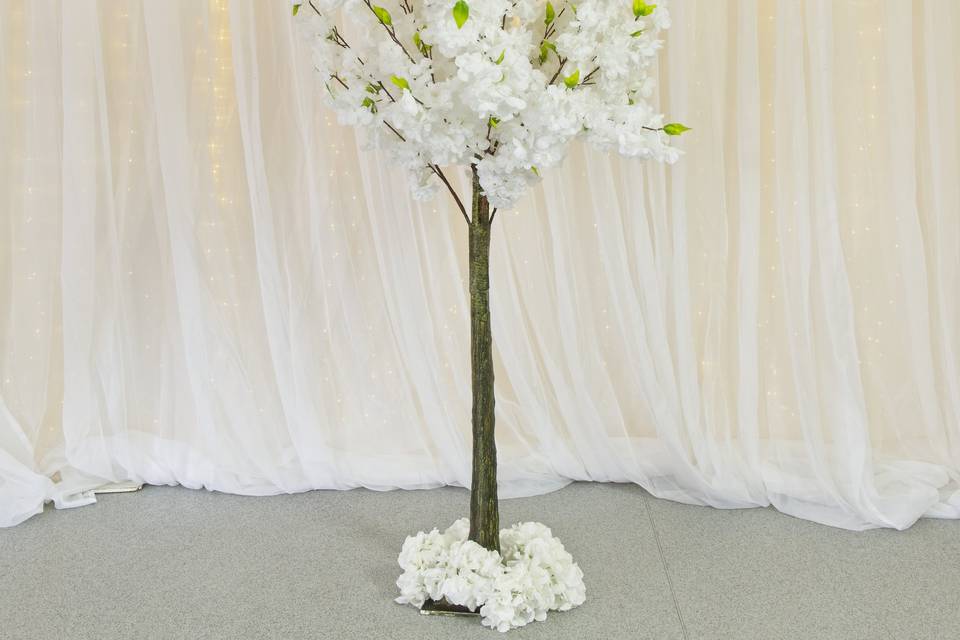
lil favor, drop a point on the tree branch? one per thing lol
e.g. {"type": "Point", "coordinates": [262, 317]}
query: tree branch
{"type": "Point", "coordinates": [389, 95]}
{"type": "Point", "coordinates": [563, 61]}
{"type": "Point", "coordinates": [391, 32]}
{"type": "Point", "coordinates": [552, 27]}
{"type": "Point", "coordinates": [437, 170]}
{"type": "Point", "coordinates": [586, 79]}
{"type": "Point", "coordinates": [399, 135]}
{"type": "Point", "coordinates": [393, 36]}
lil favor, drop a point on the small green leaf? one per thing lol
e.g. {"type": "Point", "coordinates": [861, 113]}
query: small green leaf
{"type": "Point", "coordinates": [545, 47]}
{"type": "Point", "coordinates": [372, 89]}
{"type": "Point", "coordinates": [369, 103]}
{"type": "Point", "coordinates": [536, 171]}
{"type": "Point", "coordinates": [572, 80]}
{"type": "Point", "coordinates": [400, 82]}
{"type": "Point", "coordinates": [422, 46]}
{"type": "Point", "coordinates": [383, 15]}
{"type": "Point", "coordinates": [296, 9]}
{"type": "Point", "coordinates": [551, 14]}
{"type": "Point", "coordinates": [500, 59]}
{"type": "Point", "coordinates": [461, 11]}
{"type": "Point", "coordinates": [642, 9]}
{"type": "Point", "coordinates": [494, 122]}
{"type": "Point", "coordinates": [675, 129]}
{"type": "Point", "coordinates": [637, 34]}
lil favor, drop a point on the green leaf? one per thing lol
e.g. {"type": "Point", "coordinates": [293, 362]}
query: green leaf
{"type": "Point", "coordinates": [494, 122]}
{"type": "Point", "coordinates": [675, 129]}
{"type": "Point", "coordinates": [383, 15]}
{"type": "Point", "coordinates": [572, 80]}
{"type": "Point", "coordinates": [535, 170]}
{"type": "Point", "coordinates": [551, 14]}
{"type": "Point", "coordinates": [500, 59]}
{"type": "Point", "coordinates": [461, 11]}
{"type": "Point", "coordinates": [296, 9]}
{"type": "Point", "coordinates": [642, 9]}
{"type": "Point", "coordinates": [637, 34]}
{"type": "Point", "coordinates": [545, 47]}
{"type": "Point", "coordinates": [400, 82]}
{"type": "Point", "coordinates": [422, 46]}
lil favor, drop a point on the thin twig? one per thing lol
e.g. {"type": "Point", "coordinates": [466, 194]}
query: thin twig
{"type": "Point", "coordinates": [590, 75]}
{"type": "Point", "coordinates": [563, 61]}
{"type": "Point", "coordinates": [437, 170]}
{"type": "Point", "coordinates": [389, 95]}
{"type": "Point", "coordinates": [552, 27]}
{"type": "Point", "coordinates": [390, 31]}
{"type": "Point", "coordinates": [399, 135]}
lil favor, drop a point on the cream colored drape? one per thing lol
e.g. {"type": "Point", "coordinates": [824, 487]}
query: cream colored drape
{"type": "Point", "coordinates": [205, 280]}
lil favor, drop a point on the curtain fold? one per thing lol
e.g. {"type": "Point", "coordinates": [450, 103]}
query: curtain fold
{"type": "Point", "coordinates": [206, 281]}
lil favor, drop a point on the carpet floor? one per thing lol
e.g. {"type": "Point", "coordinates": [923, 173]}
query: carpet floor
{"type": "Point", "coordinates": [170, 563]}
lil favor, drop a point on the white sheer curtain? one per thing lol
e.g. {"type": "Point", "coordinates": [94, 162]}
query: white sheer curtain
{"type": "Point", "coordinates": [204, 280]}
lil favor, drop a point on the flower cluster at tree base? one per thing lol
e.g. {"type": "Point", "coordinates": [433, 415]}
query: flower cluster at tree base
{"type": "Point", "coordinates": [534, 574]}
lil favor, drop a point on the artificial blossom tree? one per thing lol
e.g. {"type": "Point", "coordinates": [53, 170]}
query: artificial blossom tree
{"type": "Point", "coordinates": [501, 87]}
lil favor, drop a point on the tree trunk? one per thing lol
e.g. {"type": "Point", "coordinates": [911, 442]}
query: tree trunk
{"type": "Point", "coordinates": [484, 513]}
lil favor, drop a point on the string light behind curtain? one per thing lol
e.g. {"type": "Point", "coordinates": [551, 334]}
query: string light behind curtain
{"type": "Point", "coordinates": [204, 281]}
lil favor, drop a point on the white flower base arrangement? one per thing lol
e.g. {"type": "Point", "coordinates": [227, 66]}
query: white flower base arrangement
{"type": "Point", "coordinates": [534, 574]}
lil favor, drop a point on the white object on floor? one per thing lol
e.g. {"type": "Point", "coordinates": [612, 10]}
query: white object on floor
{"type": "Point", "coordinates": [126, 486]}
{"type": "Point", "coordinates": [534, 574]}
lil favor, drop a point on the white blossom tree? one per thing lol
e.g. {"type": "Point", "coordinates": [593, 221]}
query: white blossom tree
{"type": "Point", "coordinates": [501, 87]}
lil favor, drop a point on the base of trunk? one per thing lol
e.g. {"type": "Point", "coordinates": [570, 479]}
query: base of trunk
{"type": "Point", "coordinates": [444, 608]}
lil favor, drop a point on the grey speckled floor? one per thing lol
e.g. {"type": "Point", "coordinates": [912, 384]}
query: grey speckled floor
{"type": "Point", "coordinates": [173, 563]}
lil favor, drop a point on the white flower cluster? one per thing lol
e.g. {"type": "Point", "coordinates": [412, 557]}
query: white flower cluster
{"type": "Point", "coordinates": [505, 85]}
{"type": "Point", "coordinates": [534, 575]}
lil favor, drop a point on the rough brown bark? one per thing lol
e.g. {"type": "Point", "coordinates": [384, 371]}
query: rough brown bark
{"type": "Point", "coordinates": [484, 512]}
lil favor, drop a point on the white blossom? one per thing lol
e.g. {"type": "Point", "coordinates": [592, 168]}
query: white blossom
{"type": "Point", "coordinates": [534, 574]}
{"type": "Point", "coordinates": [506, 91]}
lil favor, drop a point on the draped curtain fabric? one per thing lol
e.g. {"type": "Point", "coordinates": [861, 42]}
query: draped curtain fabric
{"type": "Point", "coordinates": [205, 280]}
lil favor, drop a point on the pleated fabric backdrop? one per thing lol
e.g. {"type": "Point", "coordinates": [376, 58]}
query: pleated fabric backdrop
{"type": "Point", "coordinates": [205, 280]}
